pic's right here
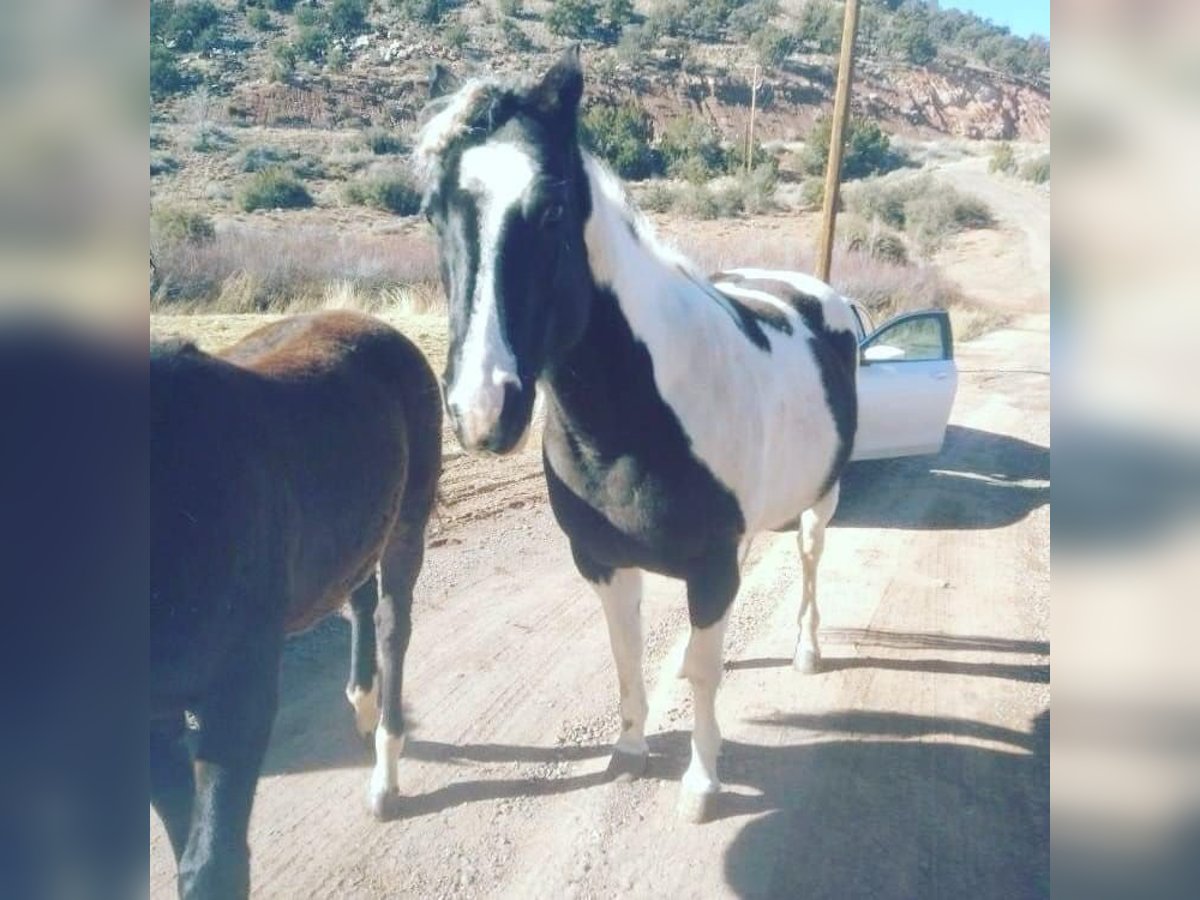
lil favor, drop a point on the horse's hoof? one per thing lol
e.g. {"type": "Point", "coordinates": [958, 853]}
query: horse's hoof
{"type": "Point", "coordinates": [623, 766]}
{"type": "Point", "coordinates": [696, 809]}
{"type": "Point", "coordinates": [807, 662]}
{"type": "Point", "coordinates": [385, 806]}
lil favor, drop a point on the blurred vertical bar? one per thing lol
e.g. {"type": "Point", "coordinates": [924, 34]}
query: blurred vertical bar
{"type": "Point", "coordinates": [1126, 521]}
{"type": "Point", "coordinates": [74, 559]}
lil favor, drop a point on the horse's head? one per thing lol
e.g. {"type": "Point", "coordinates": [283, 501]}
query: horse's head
{"type": "Point", "coordinates": [505, 190]}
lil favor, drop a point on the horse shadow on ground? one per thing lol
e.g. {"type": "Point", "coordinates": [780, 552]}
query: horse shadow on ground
{"type": "Point", "coordinates": [979, 480]}
{"type": "Point", "coordinates": [859, 803]}
{"type": "Point", "coordinates": [888, 813]}
{"type": "Point", "coordinates": [864, 639]}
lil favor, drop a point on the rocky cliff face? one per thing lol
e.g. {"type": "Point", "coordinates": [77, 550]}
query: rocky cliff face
{"type": "Point", "coordinates": [387, 84]}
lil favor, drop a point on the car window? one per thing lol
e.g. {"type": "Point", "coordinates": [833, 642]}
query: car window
{"type": "Point", "coordinates": [911, 340]}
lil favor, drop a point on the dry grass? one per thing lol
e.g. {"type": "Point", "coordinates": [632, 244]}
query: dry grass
{"type": "Point", "coordinates": [254, 270]}
{"type": "Point", "coordinates": [287, 270]}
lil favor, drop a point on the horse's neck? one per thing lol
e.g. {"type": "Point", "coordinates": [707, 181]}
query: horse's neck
{"type": "Point", "coordinates": [655, 287]}
{"type": "Point", "coordinates": [638, 286]}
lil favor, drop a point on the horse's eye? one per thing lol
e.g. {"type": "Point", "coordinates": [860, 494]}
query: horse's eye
{"type": "Point", "coordinates": [552, 214]}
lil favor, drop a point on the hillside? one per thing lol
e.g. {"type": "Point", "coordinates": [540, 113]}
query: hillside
{"type": "Point", "coordinates": [280, 131]}
{"type": "Point", "coordinates": [346, 63]}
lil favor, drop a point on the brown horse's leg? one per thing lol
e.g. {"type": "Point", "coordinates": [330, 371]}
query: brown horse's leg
{"type": "Point", "coordinates": [363, 689]}
{"type": "Point", "coordinates": [235, 725]}
{"type": "Point", "coordinates": [172, 783]}
{"type": "Point", "coordinates": [399, 569]}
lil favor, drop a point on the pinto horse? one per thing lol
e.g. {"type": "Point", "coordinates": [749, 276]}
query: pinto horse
{"type": "Point", "coordinates": [295, 469]}
{"type": "Point", "coordinates": [683, 414]}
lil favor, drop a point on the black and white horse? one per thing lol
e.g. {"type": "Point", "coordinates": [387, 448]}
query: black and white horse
{"type": "Point", "coordinates": [683, 415]}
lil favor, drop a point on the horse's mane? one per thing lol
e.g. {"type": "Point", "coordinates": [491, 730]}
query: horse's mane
{"type": "Point", "coordinates": [472, 112]}
{"type": "Point", "coordinates": [172, 348]}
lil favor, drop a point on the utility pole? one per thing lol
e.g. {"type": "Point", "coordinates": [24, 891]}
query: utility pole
{"type": "Point", "coordinates": [841, 113]}
{"type": "Point", "coordinates": [755, 84]}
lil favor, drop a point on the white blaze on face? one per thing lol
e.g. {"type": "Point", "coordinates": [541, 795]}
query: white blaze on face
{"type": "Point", "coordinates": [498, 176]}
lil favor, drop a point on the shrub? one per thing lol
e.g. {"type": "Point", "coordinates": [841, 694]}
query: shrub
{"type": "Point", "coordinates": [515, 36]}
{"type": "Point", "coordinates": [335, 59]}
{"type": "Point", "coordinates": [615, 15]}
{"type": "Point", "coordinates": [926, 209]}
{"type": "Point", "coordinates": [275, 188]}
{"type": "Point", "coordinates": [891, 248]}
{"type": "Point", "coordinates": [258, 19]}
{"type": "Point", "coordinates": [284, 61]}
{"type": "Point", "coordinates": [256, 159]}
{"type": "Point", "coordinates": [1037, 170]}
{"type": "Point", "coordinates": [574, 18]}
{"type": "Point", "coordinates": [770, 46]}
{"type": "Point", "coordinates": [383, 142]}
{"type": "Point", "coordinates": [177, 225]}
{"type": "Point", "coordinates": [165, 75]}
{"type": "Point", "coordinates": [309, 17]}
{"type": "Point", "coordinates": [729, 200]}
{"type": "Point", "coordinates": [758, 188]}
{"type": "Point", "coordinates": [657, 197]}
{"type": "Point", "coordinates": [393, 193]}
{"type": "Point", "coordinates": [281, 6]}
{"type": "Point", "coordinates": [348, 17]}
{"type": "Point", "coordinates": [1003, 159]}
{"type": "Point", "coordinates": [745, 21]}
{"type": "Point", "coordinates": [162, 164]}
{"type": "Point", "coordinates": [812, 193]}
{"type": "Point", "coordinates": [868, 149]}
{"type": "Point", "coordinates": [430, 12]}
{"type": "Point", "coordinates": [188, 27]}
{"type": "Point", "coordinates": [511, 8]}
{"type": "Point", "coordinates": [697, 202]}
{"type": "Point", "coordinates": [635, 44]}
{"type": "Point", "coordinates": [455, 35]}
{"type": "Point", "coordinates": [312, 42]}
{"type": "Point", "coordinates": [620, 135]}
{"type": "Point", "coordinates": [691, 149]}
{"type": "Point", "coordinates": [209, 138]}
{"type": "Point", "coordinates": [820, 25]}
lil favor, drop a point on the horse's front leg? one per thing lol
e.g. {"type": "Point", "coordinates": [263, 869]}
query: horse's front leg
{"type": "Point", "coordinates": [235, 725]}
{"type": "Point", "coordinates": [621, 596]}
{"type": "Point", "coordinates": [711, 590]}
{"type": "Point", "coordinates": [172, 782]}
{"type": "Point", "coordinates": [399, 569]}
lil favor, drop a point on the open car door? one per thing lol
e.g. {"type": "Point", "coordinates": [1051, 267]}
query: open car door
{"type": "Point", "coordinates": [906, 384]}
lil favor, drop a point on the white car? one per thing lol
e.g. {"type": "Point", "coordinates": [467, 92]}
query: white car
{"type": "Point", "coordinates": [906, 383]}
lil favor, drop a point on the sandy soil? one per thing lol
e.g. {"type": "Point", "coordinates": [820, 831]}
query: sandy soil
{"type": "Point", "coordinates": [915, 766]}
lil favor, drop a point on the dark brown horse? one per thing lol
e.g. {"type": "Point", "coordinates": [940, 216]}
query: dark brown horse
{"type": "Point", "coordinates": [293, 471]}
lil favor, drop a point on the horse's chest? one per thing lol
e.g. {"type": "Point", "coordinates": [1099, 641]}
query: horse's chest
{"type": "Point", "coordinates": [638, 509]}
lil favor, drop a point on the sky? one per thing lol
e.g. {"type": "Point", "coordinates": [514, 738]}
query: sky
{"type": "Point", "coordinates": [1023, 17]}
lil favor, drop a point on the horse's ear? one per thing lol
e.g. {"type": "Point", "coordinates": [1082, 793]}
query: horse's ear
{"type": "Point", "coordinates": [442, 81]}
{"type": "Point", "coordinates": [559, 91]}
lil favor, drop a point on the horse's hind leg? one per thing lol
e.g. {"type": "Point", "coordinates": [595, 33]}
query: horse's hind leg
{"type": "Point", "coordinates": [399, 568]}
{"type": "Point", "coordinates": [811, 540]}
{"type": "Point", "coordinates": [363, 688]}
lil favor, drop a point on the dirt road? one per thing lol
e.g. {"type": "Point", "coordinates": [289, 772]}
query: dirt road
{"type": "Point", "coordinates": [916, 766]}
